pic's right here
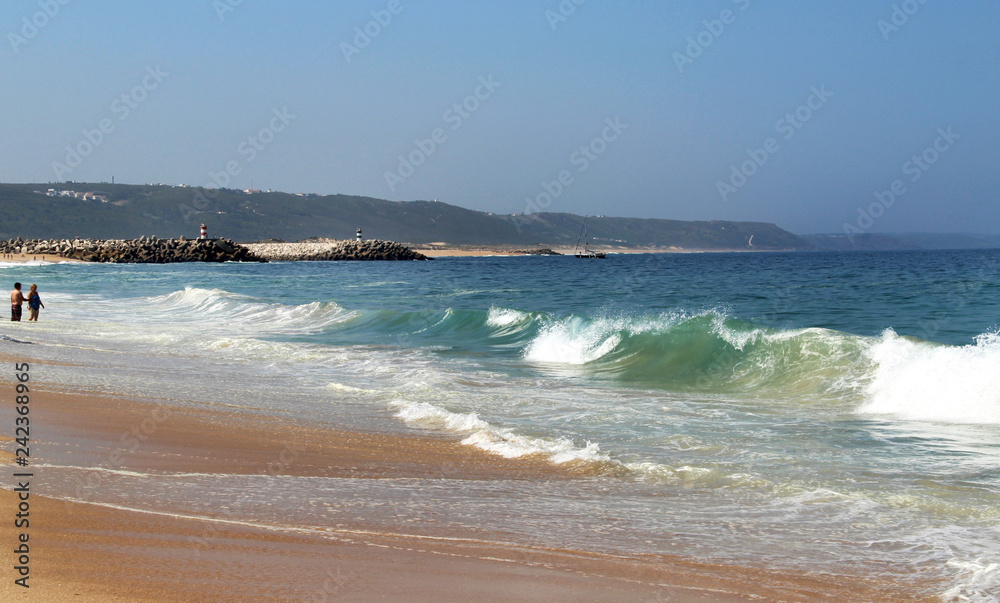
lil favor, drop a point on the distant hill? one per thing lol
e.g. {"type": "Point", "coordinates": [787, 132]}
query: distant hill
{"type": "Point", "coordinates": [564, 229]}
{"type": "Point", "coordinates": [127, 211]}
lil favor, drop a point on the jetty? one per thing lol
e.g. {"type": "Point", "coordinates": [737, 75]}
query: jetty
{"type": "Point", "coordinates": [144, 250]}
{"type": "Point", "coordinates": [153, 250]}
{"type": "Point", "coordinates": [326, 250]}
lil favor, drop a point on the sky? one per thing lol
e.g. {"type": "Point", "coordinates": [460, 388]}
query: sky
{"type": "Point", "coordinates": [822, 117]}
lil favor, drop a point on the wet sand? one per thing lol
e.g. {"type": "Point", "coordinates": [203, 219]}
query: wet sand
{"type": "Point", "coordinates": [86, 552]}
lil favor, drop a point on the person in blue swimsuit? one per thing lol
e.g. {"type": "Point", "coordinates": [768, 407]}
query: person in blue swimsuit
{"type": "Point", "coordinates": [34, 303]}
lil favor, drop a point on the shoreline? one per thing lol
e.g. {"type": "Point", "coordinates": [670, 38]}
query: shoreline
{"type": "Point", "coordinates": [96, 552]}
{"type": "Point", "coordinates": [443, 251]}
{"type": "Point", "coordinates": [101, 553]}
{"type": "Point", "coordinates": [39, 257]}
{"type": "Point", "coordinates": [348, 249]}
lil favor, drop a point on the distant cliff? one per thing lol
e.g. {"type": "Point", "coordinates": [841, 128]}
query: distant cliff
{"type": "Point", "coordinates": [106, 211]}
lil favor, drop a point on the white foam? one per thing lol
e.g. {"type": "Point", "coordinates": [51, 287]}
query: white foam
{"type": "Point", "coordinates": [340, 387]}
{"type": "Point", "coordinates": [977, 582]}
{"type": "Point", "coordinates": [574, 341]}
{"type": "Point", "coordinates": [448, 313]}
{"type": "Point", "coordinates": [686, 475]}
{"type": "Point", "coordinates": [137, 474]}
{"type": "Point", "coordinates": [499, 441]}
{"type": "Point", "coordinates": [31, 263]}
{"type": "Point", "coordinates": [921, 381]}
{"type": "Point", "coordinates": [428, 415]}
{"type": "Point", "coordinates": [505, 317]}
{"type": "Point", "coordinates": [737, 339]}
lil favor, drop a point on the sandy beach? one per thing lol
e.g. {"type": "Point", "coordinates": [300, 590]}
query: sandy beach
{"type": "Point", "coordinates": [38, 257]}
{"type": "Point", "coordinates": [500, 301]}
{"type": "Point", "coordinates": [87, 552]}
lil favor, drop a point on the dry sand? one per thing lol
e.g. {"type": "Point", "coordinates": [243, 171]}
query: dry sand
{"type": "Point", "coordinates": [84, 552]}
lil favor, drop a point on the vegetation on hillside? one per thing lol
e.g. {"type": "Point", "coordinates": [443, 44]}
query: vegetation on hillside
{"type": "Point", "coordinates": [171, 211]}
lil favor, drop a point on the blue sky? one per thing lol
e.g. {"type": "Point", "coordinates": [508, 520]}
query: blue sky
{"type": "Point", "coordinates": [790, 112]}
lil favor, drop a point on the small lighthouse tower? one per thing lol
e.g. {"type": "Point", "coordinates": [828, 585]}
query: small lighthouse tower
{"type": "Point", "coordinates": [204, 231]}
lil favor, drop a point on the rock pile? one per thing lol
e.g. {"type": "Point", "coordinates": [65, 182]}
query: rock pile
{"type": "Point", "coordinates": [334, 250]}
{"type": "Point", "coordinates": [144, 250]}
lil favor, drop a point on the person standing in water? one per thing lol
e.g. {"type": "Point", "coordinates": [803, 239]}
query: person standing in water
{"type": "Point", "coordinates": [34, 303]}
{"type": "Point", "coordinates": [16, 299]}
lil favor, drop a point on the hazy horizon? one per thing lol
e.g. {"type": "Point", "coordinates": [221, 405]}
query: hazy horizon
{"type": "Point", "coordinates": [879, 116]}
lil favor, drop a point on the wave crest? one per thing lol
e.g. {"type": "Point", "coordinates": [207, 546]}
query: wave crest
{"type": "Point", "coordinates": [226, 309]}
{"type": "Point", "coordinates": [921, 381]}
{"type": "Point", "coordinates": [496, 440]}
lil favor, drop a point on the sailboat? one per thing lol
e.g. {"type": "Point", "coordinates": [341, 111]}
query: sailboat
{"type": "Point", "coordinates": [586, 252]}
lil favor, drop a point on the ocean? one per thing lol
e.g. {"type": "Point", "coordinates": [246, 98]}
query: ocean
{"type": "Point", "coordinates": [819, 412]}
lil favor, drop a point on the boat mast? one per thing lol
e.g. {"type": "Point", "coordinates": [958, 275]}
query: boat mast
{"type": "Point", "coordinates": [583, 236]}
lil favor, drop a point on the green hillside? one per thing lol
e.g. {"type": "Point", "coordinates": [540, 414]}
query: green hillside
{"type": "Point", "coordinates": [564, 229]}
{"type": "Point", "coordinates": [126, 211]}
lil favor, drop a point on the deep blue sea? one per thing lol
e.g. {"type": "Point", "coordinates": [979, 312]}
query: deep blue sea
{"type": "Point", "coordinates": [832, 412]}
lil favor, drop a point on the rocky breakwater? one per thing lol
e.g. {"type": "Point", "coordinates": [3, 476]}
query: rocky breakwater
{"type": "Point", "coordinates": [334, 250]}
{"type": "Point", "coordinates": [543, 251]}
{"type": "Point", "coordinates": [144, 250]}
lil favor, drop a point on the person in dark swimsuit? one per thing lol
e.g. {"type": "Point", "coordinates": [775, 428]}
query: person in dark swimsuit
{"type": "Point", "coordinates": [16, 299]}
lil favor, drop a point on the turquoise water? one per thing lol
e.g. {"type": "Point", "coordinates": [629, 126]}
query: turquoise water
{"type": "Point", "coordinates": [830, 412]}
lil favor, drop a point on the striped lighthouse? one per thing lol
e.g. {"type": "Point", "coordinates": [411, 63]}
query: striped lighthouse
{"type": "Point", "coordinates": [204, 231]}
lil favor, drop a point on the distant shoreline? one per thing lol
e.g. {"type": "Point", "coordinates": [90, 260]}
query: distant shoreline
{"type": "Point", "coordinates": [454, 251]}
{"type": "Point", "coordinates": [309, 247]}
{"type": "Point", "coordinates": [22, 258]}
{"type": "Point", "coordinates": [446, 250]}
